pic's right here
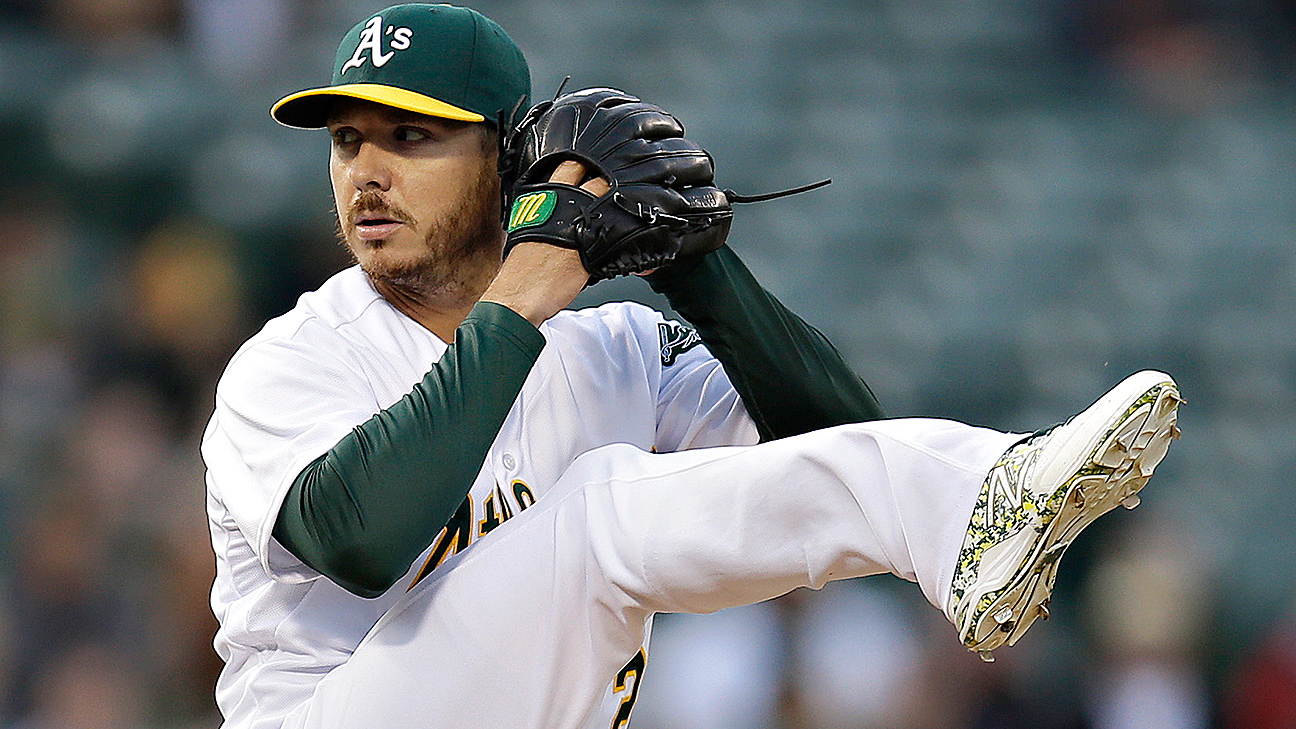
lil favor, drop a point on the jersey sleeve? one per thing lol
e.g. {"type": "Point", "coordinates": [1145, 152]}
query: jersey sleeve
{"type": "Point", "coordinates": [790, 377]}
{"type": "Point", "coordinates": [697, 405]}
{"type": "Point", "coordinates": [280, 405]}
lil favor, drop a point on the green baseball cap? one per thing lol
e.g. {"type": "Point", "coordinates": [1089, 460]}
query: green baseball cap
{"type": "Point", "coordinates": [440, 60]}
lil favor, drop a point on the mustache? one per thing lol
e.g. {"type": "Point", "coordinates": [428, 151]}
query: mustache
{"type": "Point", "coordinates": [371, 203]}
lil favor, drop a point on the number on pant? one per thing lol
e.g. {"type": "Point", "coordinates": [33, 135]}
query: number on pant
{"type": "Point", "coordinates": [633, 671]}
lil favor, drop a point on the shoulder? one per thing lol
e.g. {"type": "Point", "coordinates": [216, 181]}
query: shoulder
{"type": "Point", "coordinates": [622, 325]}
{"type": "Point", "coordinates": [617, 322]}
{"type": "Point", "coordinates": [346, 299]}
{"type": "Point", "coordinates": [308, 340]}
{"type": "Point", "coordinates": [615, 315]}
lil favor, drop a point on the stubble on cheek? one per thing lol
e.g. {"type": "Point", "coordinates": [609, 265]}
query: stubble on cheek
{"type": "Point", "coordinates": [469, 229]}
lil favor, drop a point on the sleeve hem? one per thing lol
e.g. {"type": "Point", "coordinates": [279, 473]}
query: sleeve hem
{"type": "Point", "coordinates": [285, 566]}
{"type": "Point", "coordinates": [508, 323]}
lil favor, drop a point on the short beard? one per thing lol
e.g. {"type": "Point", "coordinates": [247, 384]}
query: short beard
{"type": "Point", "coordinates": [455, 244]}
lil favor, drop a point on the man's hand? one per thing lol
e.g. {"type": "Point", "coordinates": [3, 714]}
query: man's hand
{"type": "Point", "coordinates": [538, 280]}
{"type": "Point", "coordinates": [663, 205]}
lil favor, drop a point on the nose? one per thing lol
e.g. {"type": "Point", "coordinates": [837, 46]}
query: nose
{"type": "Point", "coordinates": [370, 169]}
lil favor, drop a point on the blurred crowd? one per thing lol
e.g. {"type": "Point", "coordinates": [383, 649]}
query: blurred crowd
{"type": "Point", "coordinates": [152, 216]}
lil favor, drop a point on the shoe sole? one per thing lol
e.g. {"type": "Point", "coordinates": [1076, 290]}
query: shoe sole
{"type": "Point", "coordinates": [1111, 470]}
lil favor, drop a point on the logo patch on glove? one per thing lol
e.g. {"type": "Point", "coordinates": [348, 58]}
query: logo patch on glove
{"type": "Point", "coordinates": [532, 208]}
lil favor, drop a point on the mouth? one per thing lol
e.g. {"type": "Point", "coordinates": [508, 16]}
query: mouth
{"type": "Point", "coordinates": [376, 227]}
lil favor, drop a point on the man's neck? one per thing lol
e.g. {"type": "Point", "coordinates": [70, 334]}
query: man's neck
{"type": "Point", "coordinates": [441, 311]}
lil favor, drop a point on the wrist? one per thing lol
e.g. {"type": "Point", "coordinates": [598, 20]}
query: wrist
{"type": "Point", "coordinates": [537, 280]}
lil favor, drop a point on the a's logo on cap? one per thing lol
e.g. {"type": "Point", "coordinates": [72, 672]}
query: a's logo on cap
{"type": "Point", "coordinates": [371, 39]}
{"type": "Point", "coordinates": [532, 208]}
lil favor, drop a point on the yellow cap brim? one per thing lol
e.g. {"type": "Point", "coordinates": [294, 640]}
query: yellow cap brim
{"type": "Point", "coordinates": [309, 109]}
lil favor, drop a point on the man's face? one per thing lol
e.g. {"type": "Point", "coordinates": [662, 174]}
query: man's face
{"type": "Point", "coordinates": [417, 196]}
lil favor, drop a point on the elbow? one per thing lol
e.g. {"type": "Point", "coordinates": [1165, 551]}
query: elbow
{"type": "Point", "coordinates": [361, 589]}
{"type": "Point", "coordinates": [325, 528]}
{"type": "Point", "coordinates": [345, 557]}
{"type": "Point", "coordinates": [360, 571]}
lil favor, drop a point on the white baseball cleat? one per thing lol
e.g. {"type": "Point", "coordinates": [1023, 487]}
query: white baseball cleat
{"type": "Point", "coordinates": [1041, 493]}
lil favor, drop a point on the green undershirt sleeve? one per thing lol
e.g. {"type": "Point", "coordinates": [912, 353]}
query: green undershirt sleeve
{"type": "Point", "coordinates": [790, 377]}
{"type": "Point", "coordinates": [365, 510]}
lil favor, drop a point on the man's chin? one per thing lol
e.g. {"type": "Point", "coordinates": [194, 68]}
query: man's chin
{"type": "Point", "coordinates": [386, 254]}
{"type": "Point", "coordinates": [395, 270]}
{"type": "Point", "coordinates": [358, 243]}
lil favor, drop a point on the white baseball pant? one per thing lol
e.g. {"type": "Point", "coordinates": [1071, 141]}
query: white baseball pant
{"type": "Point", "coordinates": [530, 624]}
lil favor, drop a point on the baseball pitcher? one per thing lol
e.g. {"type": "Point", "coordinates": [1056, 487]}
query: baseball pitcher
{"type": "Point", "coordinates": [439, 498]}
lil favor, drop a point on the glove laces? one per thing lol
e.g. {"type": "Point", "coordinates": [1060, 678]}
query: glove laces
{"type": "Point", "coordinates": [737, 198]}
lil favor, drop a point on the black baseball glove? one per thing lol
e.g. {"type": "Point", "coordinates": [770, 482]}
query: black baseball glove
{"type": "Point", "coordinates": [662, 204]}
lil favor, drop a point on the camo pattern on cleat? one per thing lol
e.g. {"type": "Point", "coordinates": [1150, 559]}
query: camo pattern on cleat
{"type": "Point", "coordinates": [1041, 493]}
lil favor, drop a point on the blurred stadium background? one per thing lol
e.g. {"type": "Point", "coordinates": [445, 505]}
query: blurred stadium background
{"type": "Point", "coordinates": [1032, 198]}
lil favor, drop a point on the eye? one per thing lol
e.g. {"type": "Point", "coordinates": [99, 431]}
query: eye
{"type": "Point", "coordinates": [345, 135]}
{"type": "Point", "coordinates": [411, 134]}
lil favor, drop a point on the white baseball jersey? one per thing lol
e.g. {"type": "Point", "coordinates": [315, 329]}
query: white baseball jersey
{"type": "Point", "coordinates": [619, 373]}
